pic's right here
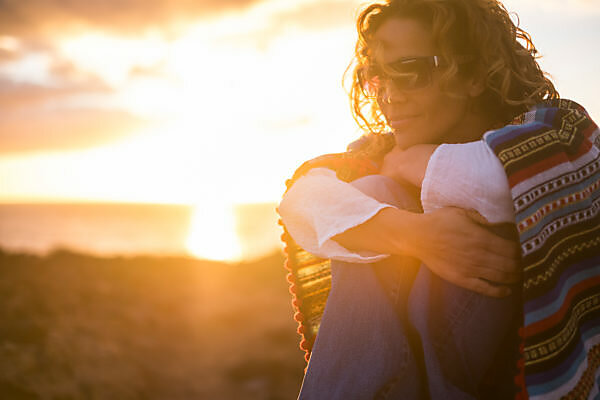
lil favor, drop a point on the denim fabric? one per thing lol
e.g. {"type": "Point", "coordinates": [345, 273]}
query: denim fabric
{"type": "Point", "coordinates": [388, 335]}
{"type": "Point", "coordinates": [463, 334]}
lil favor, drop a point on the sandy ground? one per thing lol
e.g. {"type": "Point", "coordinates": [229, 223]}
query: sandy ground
{"type": "Point", "coordinates": [80, 327]}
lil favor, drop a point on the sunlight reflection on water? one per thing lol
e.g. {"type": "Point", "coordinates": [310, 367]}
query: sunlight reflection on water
{"type": "Point", "coordinates": [231, 233]}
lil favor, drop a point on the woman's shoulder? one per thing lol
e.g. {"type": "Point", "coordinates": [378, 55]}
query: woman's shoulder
{"type": "Point", "coordinates": [373, 145]}
{"type": "Point", "coordinates": [555, 121]}
{"type": "Point", "coordinates": [361, 158]}
{"type": "Point", "coordinates": [348, 166]}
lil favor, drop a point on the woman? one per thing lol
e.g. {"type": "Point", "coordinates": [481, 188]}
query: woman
{"type": "Point", "coordinates": [447, 71]}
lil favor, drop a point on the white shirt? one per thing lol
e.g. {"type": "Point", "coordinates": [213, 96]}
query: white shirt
{"type": "Point", "coordinates": [319, 205]}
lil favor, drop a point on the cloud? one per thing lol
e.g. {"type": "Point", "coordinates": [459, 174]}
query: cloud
{"type": "Point", "coordinates": [564, 8]}
{"type": "Point", "coordinates": [68, 129]}
{"type": "Point", "coordinates": [25, 95]}
{"type": "Point", "coordinates": [271, 21]}
{"type": "Point", "coordinates": [41, 100]}
{"type": "Point", "coordinates": [315, 15]}
{"type": "Point", "coordinates": [30, 18]}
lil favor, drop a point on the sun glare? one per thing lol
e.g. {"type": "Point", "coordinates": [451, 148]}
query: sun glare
{"type": "Point", "coordinates": [113, 57]}
{"type": "Point", "coordinates": [9, 43]}
{"type": "Point", "coordinates": [222, 92]}
{"type": "Point", "coordinates": [213, 233]}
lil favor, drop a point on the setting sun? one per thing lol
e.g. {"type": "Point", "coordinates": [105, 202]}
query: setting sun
{"type": "Point", "coordinates": [173, 108]}
{"type": "Point", "coordinates": [148, 147]}
{"type": "Point", "coordinates": [213, 233]}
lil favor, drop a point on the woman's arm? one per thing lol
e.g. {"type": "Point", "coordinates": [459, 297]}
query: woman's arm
{"type": "Point", "coordinates": [452, 242]}
{"type": "Point", "coordinates": [319, 206]}
{"type": "Point", "coordinates": [466, 175]}
{"type": "Point", "coordinates": [455, 243]}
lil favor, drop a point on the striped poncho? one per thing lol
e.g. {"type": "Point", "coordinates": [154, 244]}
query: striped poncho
{"type": "Point", "coordinates": [551, 156]}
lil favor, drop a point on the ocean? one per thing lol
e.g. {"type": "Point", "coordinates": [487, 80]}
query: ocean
{"type": "Point", "coordinates": [241, 232]}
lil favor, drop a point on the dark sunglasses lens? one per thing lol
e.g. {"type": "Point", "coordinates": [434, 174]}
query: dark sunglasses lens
{"type": "Point", "coordinates": [406, 74]}
{"type": "Point", "coordinates": [409, 81]}
{"type": "Point", "coordinates": [411, 74]}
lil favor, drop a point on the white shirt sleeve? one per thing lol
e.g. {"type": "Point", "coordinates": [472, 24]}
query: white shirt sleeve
{"type": "Point", "coordinates": [319, 206]}
{"type": "Point", "coordinates": [468, 176]}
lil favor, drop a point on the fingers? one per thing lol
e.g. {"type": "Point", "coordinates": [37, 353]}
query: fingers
{"type": "Point", "coordinates": [496, 268]}
{"type": "Point", "coordinates": [481, 286]}
{"type": "Point", "coordinates": [510, 249]}
{"type": "Point", "coordinates": [503, 259]}
{"type": "Point", "coordinates": [495, 244]}
{"type": "Point", "coordinates": [501, 238]}
{"type": "Point", "coordinates": [499, 276]}
{"type": "Point", "coordinates": [505, 249]}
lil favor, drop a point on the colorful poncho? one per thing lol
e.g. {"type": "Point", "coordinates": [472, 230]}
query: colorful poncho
{"type": "Point", "coordinates": [551, 156]}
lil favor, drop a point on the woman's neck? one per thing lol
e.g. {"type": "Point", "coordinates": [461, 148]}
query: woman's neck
{"type": "Point", "coordinates": [472, 128]}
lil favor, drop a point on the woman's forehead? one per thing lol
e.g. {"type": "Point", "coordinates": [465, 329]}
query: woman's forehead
{"type": "Point", "coordinates": [402, 37]}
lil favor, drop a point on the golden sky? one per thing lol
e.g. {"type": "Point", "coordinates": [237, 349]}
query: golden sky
{"type": "Point", "coordinates": [203, 100]}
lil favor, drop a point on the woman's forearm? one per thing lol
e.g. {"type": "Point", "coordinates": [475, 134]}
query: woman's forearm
{"type": "Point", "coordinates": [390, 231]}
{"type": "Point", "coordinates": [394, 231]}
{"type": "Point", "coordinates": [452, 242]}
{"type": "Point", "coordinates": [318, 206]}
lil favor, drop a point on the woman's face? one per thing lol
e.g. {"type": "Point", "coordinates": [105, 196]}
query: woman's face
{"type": "Point", "coordinates": [424, 114]}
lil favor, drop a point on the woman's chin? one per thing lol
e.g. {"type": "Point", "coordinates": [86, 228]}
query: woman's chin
{"type": "Point", "coordinates": [405, 139]}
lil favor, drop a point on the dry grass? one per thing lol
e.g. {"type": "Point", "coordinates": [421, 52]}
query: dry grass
{"type": "Point", "coordinates": [78, 327]}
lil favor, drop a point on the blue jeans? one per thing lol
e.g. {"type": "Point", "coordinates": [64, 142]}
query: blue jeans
{"type": "Point", "coordinates": [394, 330]}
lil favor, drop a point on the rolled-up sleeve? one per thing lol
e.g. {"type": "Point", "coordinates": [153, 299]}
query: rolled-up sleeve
{"type": "Point", "coordinates": [319, 206]}
{"type": "Point", "coordinates": [468, 176]}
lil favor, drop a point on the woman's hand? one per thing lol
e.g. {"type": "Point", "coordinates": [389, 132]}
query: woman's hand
{"type": "Point", "coordinates": [408, 165]}
{"type": "Point", "coordinates": [455, 245]}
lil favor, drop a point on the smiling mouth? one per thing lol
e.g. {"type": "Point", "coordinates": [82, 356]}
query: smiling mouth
{"type": "Point", "coordinates": [399, 123]}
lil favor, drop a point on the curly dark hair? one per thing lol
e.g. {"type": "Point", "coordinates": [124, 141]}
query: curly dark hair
{"type": "Point", "coordinates": [501, 53]}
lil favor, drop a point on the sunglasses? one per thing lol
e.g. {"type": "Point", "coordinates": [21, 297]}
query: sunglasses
{"type": "Point", "coordinates": [404, 74]}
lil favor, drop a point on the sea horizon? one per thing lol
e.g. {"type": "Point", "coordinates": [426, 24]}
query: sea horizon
{"type": "Point", "coordinates": [241, 232]}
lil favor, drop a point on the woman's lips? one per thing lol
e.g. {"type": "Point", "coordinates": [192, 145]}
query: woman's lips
{"type": "Point", "coordinates": [402, 122]}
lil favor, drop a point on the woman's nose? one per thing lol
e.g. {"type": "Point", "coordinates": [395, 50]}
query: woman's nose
{"type": "Point", "coordinates": [391, 94]}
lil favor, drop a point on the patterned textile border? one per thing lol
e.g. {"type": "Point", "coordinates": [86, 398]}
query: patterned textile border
{"type": "Point", "coordinates": [552, 162]}
{"type": "Point", "coordinates": [551, 156]}
{"type": "Point", "coordinates": [310, 281]}
{"type": "Point", "coordinates": [310, 276]}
